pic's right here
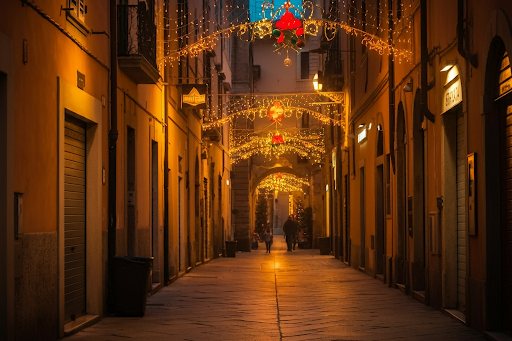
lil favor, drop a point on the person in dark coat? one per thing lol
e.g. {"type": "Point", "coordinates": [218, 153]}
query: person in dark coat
{"type": "Point", "coordinates": [289, 231]}
{"type": "Point", "coordinates": [267, 236]}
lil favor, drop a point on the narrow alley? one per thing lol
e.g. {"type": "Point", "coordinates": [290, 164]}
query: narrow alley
{"type": "Point", "coordinates": [298, 295]}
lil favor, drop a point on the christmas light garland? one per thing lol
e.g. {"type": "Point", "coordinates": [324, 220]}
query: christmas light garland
{"type": "Point", "coordinates": [358, 23]}
{"type": "Point", "coordinates": [307, 143]}
{"type": "Point", "coordinates": [251, 106]}
{"type": "Point", "coordinates": [282, 182]}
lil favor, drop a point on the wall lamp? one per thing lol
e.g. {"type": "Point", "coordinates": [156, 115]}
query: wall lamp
{"type": "Point", "coordinates": [448, 64]}
{"type": "Point", "coordinates": [361, 125]}
{"type": "Point", "coordinates": [408, 86]}
{"type": "Point", "coordinates": [317, 81]}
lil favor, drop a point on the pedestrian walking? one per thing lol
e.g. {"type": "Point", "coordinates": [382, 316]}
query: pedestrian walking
{"type": "Point", "coordinates": [267, 237]}
{"type": "Point", "coordinates": [289, 231]}
{"type": "Point", "coordinates": [295, 233]}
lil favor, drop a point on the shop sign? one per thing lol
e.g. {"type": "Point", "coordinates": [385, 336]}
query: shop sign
{"type": "Point", "coordinates": [452, 94]}
{"type": "Point", "coordinates": [193, 96]}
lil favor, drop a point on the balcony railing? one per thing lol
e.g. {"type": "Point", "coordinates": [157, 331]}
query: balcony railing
{"type": "Point", "coordinates": [136, 47]}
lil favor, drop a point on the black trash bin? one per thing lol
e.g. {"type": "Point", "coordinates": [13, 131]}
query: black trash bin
{"type": "Point", "coordinates": [324, 243]}
{"type": "Point", "coordinates": [132, 284]}
{"type": "Point", "coordinates": [231, 248]}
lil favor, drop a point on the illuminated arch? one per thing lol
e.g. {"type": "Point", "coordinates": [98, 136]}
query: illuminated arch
{"type": "Point", "coordinates": [268, 26]}
{"type": "Point", "coordinates": [275, 170]}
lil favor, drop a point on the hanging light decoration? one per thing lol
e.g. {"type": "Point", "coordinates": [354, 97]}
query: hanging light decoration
{"type": "Point", "coordinates": [289, 32]}
{"type": "Point", "coordinates": [307, 143]}
{"type": "Point", "coordinates": [282, 183]}
{"type": "Point", "coordinates": [277, 139]}
{"type": "Point", "coordinates": [276, 112]}
{"type": "Point", "coordinates": [289, 35]}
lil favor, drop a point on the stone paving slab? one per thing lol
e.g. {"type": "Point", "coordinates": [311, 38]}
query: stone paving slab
{"type": "Point", "coordinates": [298, 295]}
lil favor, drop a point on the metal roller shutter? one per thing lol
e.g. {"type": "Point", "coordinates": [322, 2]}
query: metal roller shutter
{"type": "Point", "coordinates": [461, 213]}
{"type": "Point", "coordinates": [74, 218]}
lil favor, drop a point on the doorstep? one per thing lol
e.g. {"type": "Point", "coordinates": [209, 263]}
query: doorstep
{"type": "Point", "coordinates": [497, 336]}
{"type": "Point", "coordinates": [80, 323]}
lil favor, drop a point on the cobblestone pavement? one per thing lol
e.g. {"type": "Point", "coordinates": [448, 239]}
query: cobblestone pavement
{"type": "Point", "coordinates": [298, 295]}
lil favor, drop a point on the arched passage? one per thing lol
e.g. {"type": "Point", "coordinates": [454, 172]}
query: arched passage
{"type": "Point", "coordinates": [380, 216]}
{"type": "Point", "coordinates": [401, 197]}
{"type": "Point", "coordinates": [498, 158]}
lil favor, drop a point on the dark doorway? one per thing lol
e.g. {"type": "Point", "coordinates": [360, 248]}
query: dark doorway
{"type": "Point", "coordinates": [130, 187]}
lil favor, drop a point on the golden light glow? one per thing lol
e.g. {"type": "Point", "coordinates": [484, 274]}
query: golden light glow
{"type": "Point", "coordinates": [282, 182]}
{"type": "Point", "coordinates": [251, 106]}
{"type": "Point", "coordinates": [369, 25]}
{"type": "Point", "coordinates": [307, 143]}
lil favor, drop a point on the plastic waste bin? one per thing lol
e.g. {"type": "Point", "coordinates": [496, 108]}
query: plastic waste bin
{"type": "Point", "coordinates": [324, 243]}
{"type": "Point", "coordinates": [231, 248]}
{"type": "Point", "coordinates": [132, 284]}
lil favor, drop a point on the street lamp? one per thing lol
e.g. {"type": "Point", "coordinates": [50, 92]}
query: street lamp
{"type": "Point", "coordinates": [336, 97]}
{"type": "Point", "coordinates": [317, 81]}
{"type": "Point", "coordinates": [448, 64]}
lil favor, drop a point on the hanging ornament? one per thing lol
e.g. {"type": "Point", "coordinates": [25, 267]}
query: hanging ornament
{"type": "Point", "coordinates": [275, 112]}
{"type": "Point", "coordinates": [277, 139]}
{"type": "Point", "coordinates": [288, 29]}
{"type": "Point", "coordinates": [287, 61]}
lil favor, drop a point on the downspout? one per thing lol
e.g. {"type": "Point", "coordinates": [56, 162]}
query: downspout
{"type": "Point", "coordinates": [472, 58]}
{"type": "Point", "coordinates": [112, 157]}
{"type": "Point", "coordinates": [391, 80]}
{"type": "Point", "coordinates": [166, 179]}
{"type": "Point", "coordinates": [424, 63]}
{"type": "Point", "coordinates": [391, 83]}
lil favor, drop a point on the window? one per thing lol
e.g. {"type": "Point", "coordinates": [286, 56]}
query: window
{"type": "Point", "coordinates": [78, 7]}
{"type": "Point", "coordinates": [304, 65]}
{"type": "Point", "coordinates": [75, 14]}
{"type": "Point", "coordinates": [305, 120]}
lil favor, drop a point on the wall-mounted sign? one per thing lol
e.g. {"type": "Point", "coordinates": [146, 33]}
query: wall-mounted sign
{"type": "Point", "coordinates": [452, 91]}
{"type": "Point", "coordinates": [193, 96]}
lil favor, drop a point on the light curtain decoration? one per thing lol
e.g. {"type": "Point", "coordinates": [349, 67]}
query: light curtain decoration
{"type": "Point", "coordinates": [282, 182]}
{"type": "Point", "coordinates": [370, 25]}
{"type": "Point", "coordinates": [251, 106]}
{"type": "Point", "coordinates": [307, 143]}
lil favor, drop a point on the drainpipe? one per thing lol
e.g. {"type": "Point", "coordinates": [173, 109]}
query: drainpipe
{"type": "Point", "coordinates": [472, 58]}
{"type": "Point", "coordinates": [112, 156]}
{"type": "Point", "coordinates": [424, 63]}
{"type": "Point", "coordinates": [166, 179]}
{"type": "Point", "coordinates": [391, 83]}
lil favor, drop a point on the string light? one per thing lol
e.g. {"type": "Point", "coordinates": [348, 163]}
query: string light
{"type": "Point", "coordinates": [251, 106]}
{"type": "Point", "coordinates": [282, 182]}
{"type": "Point", "coordinates": [307, 143]}
{"type": "Point", "coordinates": [205, 33]}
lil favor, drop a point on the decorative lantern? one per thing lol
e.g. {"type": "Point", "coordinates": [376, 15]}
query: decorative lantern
{"type": "Point", "coordinates": [276, 112]}
{"type": "Point", "coordinates": [289, 29]}
{"type": "Point", "coordinates": [277, 139]}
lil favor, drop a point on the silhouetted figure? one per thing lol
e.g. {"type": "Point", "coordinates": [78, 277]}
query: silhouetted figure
{"type": "Point", "coordinates": [289, 229]}
{"type": "Point", "coordinates": [267, 237]}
